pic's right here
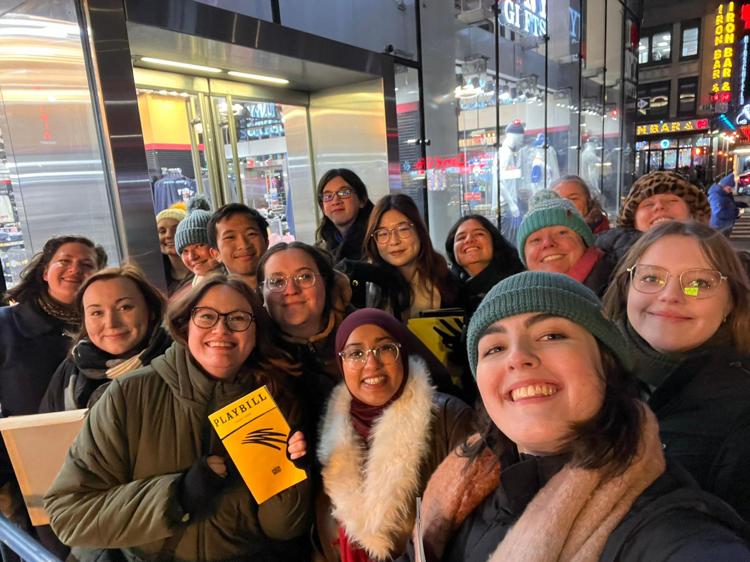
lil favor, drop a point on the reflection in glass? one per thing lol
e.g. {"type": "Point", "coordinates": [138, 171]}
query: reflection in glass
{"type": "Point", "coordinates": [689, 42]}
{"type": "Point", "coordinates": [661, 47]}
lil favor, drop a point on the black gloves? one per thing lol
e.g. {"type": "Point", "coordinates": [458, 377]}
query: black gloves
{"type": "Point", "coordinates": [199, 490]}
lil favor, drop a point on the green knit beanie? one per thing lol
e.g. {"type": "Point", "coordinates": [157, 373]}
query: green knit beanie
{"type": "Point", "coordinates": [550, 293]}
{"type": "Point", "coordinates": [192, 230]}
{"type": "Point", "coordinates": [547, 208]}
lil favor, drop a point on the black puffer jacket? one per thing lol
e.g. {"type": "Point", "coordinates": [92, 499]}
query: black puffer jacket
{"type": "Point", "coordinates": [617, 241]}
{"type": "Point", "coordinates": [698, 526]}
{"type": "Point", "coordinates": [703, 408]}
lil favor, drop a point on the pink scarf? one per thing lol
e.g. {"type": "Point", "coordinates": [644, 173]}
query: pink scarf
{"type": "Point", "coordinates": [582, 268]}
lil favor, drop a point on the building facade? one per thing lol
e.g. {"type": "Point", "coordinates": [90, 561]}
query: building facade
{"type": "Point", "coordinates": [115, 108]}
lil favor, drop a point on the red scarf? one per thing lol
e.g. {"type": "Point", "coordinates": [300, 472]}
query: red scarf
{"type": "Point", "coordinates": [582, 268]}
{"type": "Point", "coordinates": [350, 552]}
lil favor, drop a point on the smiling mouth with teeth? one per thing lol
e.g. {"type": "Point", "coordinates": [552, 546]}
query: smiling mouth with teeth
{"type": "Point", "coordinates": [553, 257]}
{"type": "Point", "coordinates": [533, 391]}
{"type": "Point", "coordinates": [374, 381]}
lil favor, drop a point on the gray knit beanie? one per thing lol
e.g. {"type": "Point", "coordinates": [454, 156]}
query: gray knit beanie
{"type": "Point", "coordinates": [192, 229]}
{"type": "Point", "coordinates": [547, 208]}
{"type": "Point", "coordinates": [550, 293]}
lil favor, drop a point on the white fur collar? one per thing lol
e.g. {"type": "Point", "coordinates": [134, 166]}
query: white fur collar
{"type": "Point", "coordinates": [373, 493]}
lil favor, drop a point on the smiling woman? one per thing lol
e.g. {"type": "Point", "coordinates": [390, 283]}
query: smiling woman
{"type": "Point", "coordinates": [384, 431]}
{"type": "Point", "coordinates": [680, 297]}
{"type": "Point", "coordinates": [568, 463]}
{"type": "Point", "coordinates": [121, 332]}
{"type": "Point", "coordinates": [156, 498]}
{"type": "Point", "coordinates": [554, 237]}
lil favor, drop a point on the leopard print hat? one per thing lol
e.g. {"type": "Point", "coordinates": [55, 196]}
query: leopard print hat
{"type": "Point", "coordinates": [663, 182]}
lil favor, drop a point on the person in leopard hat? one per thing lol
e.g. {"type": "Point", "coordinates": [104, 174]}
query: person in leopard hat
{"type": "Point", "coordinates": [654, 198]}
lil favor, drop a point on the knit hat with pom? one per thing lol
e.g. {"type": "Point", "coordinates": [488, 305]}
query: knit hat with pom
{"type": "Point", "coordinates": [547, 208]}
{"type": "Point", "coordinates": [171, 213]}
{"type": "Point", "coordinates": [192, 230]}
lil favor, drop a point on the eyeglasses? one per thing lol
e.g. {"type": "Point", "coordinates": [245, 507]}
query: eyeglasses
{"type": "Point", "coordinates": [235, 321]}
{"type": "Point", "coordinates": [403, 230]}
{"type": "Point", "coordinates": [328, 196]}
{"type": "Point", "coordinates": [305, 279]}
{"type": "Point", "coordinates": [698, 283]}
{"type": "Point", "coordinates": [386, 353]}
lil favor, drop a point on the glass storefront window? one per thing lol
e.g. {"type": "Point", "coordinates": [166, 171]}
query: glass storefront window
{"type": "Point", "coordinates": [544, 109]}
{"type": "Point", "coordinates": [53, 179]}
{"type": "Point", "coordinates": [643, 50]}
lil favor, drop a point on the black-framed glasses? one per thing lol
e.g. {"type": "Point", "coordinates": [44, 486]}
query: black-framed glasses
{"type": "Point", "coordinates": [386, 353]}
{"type": "Point", "coordinates": [699, 283]}
{"type": "Point", "coordinates": [304, 279]}
{"type": "Point", "coordinates": [403, 230]}
{"type": "Point", "coordinates": [328, 196]}
{"type": "Point", "coordinates": [236, 321]}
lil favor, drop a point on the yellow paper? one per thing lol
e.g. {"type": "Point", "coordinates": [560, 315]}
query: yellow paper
{"type": "Point", "coordinates": [423, 328]}
{"type": "Point", "coordinates": [254, 433]}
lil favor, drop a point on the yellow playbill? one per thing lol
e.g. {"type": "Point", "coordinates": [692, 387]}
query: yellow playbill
{"type": "Point", "coordinates": [254, 433]}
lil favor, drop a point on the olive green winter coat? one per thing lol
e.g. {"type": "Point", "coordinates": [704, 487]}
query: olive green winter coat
{"type": "Point", "coordinates": [117, 488]}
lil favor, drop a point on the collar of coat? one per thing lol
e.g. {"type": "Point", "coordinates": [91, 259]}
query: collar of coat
{"type": "Point", "coordinates": [373, 491]}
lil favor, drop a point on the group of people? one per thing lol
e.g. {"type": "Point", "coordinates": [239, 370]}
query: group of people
{"type": "Point", "coordinates": [561, 429]}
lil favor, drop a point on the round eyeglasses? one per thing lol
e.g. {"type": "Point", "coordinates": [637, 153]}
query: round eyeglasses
{"type": "Point", "coordinates": [386, 353]}
{"type": "Point", "coordinates": [699, 283]}
{"type": "Point", "coordinates": [328, 196]}
{"type": "Point", "coordinates": [235, 321]}
{"type": "Point", "coordinates": [403, 231]}
{"type": "Point", "coordinates": [304, 279]}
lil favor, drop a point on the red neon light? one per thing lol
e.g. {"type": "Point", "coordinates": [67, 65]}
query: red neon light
{"type": "Point", "coordinates": [745, 15]}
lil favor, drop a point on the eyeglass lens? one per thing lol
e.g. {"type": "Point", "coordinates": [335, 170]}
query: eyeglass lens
{"type": "Point", "coordinates": [303, 279]}
{"type": "Point", "coordinates": [698, 283]}
{"type": "Point", "coordinates": [403, 231]}
{"type": "Point", "coordinates": [386, 354]}
{"type": "Point", "coordinates": [236, 320]}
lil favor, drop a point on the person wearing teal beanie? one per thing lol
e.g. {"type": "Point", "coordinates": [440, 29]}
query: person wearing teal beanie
{"type": "Point", "coordinates": [568, 462]}
{"type": "Point", "coordinates": [549, 293]}
{"type": "Point", "coordinates": [191, 240]}
{"type": "Point", "coordinates": [554, 237]}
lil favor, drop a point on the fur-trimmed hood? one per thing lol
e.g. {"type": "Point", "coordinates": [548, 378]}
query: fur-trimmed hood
{"type": "Point", "coordinates": [373, 491]}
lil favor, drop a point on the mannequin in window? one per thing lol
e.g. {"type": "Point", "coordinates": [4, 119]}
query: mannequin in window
{"type": "Point", "coordinates": [510, 168]}
{"type": "Point", "coordinates": [534, 172]}
{"type": "Point", "coordinates": [591, 167]}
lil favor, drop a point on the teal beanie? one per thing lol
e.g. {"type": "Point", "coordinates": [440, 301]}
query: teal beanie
{"type": "Point", "coordinates": [192, 229]}
{"type": "Point", "coordinates": [547, 208]}
{"type": "Point", "coordinates": [550, 293]}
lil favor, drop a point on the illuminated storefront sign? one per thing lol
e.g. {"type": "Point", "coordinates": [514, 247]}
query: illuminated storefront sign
{"type": "Point", "coordinates": [527, 16]}
{"type": "Point", "coordinates": [671, 127]}
{"type": "Point", "coordinates": [723, 54]}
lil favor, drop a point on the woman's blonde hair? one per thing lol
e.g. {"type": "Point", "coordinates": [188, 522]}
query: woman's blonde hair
{"type": "Point", "coordinates": [718, 252]}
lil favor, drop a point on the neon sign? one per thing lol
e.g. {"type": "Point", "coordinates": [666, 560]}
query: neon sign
{"type": "Point", "coordinates": [527, 16]}
{"type": "Point", "coordinates": [721, 70]}
{"type": "Point", "coordinates": [671, 127]}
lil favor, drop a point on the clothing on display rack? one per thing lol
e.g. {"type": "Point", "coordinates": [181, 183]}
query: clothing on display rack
{"type": "Point", "coordinates": [172, 188]}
